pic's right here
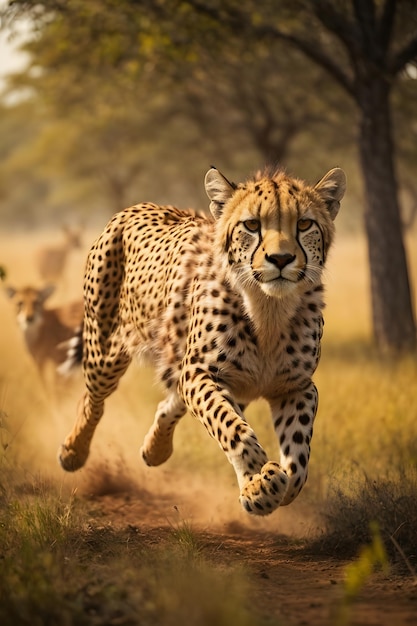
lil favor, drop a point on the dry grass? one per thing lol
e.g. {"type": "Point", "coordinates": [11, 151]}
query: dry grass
{"type": "Point", "coordinates": [60, 566]}
{"type": "Point", "coordinates": [364, 455]}
{"type": "Point", "coordinates": [367, 411]}
{"type": "Point", "coordinates": [363, 468]}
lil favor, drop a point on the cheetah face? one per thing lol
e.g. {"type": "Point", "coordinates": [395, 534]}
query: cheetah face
{"type": "Point", "coordinates": [275, 231]}
{"type": "Point", "coordinates": [276, 259]}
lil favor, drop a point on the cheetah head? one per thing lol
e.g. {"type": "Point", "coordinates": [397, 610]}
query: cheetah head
{"type": "Point", "coordinates": [274, 231]}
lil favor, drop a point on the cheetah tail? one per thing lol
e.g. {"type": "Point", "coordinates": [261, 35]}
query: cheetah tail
{"type": "Point", "coordinates": [73, 349]}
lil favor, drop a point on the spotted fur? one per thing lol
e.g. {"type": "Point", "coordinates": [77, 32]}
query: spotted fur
{"type": "Point", "coordinates": [228, 308]}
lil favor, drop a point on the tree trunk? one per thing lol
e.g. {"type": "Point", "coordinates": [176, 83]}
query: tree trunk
{"type": "Point", "coordinates": [392, 309]}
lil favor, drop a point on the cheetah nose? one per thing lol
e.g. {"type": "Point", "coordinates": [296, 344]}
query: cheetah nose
{"type": "Point", "coordinates": [280, 260]}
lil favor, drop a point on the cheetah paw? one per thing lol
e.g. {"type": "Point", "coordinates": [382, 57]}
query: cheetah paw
{"type": "Point", "coordinates": [264, 492]}
{"type": "Point", "coordinates": [72, 459]}
{"type": "Point", "coordinates": [156, 451]}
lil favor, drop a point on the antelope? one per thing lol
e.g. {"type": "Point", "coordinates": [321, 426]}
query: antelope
{"type": "Point", "coordinates": [51, 260]}
{"type": "Point", "coordinates": [47, 332]}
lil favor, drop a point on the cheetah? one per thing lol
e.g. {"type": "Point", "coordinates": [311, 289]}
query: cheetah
{"type": "Point", "coordinates": [228, 308]}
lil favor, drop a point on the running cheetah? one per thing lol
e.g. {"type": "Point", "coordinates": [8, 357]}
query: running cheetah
{"type": "Point", "coordinates": [228, 308]}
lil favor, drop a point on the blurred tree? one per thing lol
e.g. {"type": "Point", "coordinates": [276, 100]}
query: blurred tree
{"type": "Point", "coordinates": [405, 126]}
{"type": "Point", "coordinates": [251, 90]}
{"type": "Point", "coordinates": [364, 45]}
{"type": "Point", "coordinates": [22, 187]}
{"type": "Point", "coordinates": [234, 62]}
{"type": "Point", "coordinates": [228, 89]}
{"type": "Point", "coordinates": [379, 40]}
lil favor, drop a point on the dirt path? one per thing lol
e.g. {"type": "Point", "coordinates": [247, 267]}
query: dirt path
{"type": "Point", "coordinates": [290, 585]}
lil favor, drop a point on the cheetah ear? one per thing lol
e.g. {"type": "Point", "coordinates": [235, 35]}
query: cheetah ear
{"type": "Point", "coordinates": [218, 189]}
{"type": "Point", "coordinates": [332, 188]}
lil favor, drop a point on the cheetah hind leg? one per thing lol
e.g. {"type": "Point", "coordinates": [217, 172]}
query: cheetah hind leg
{"type": "Point", "coordinates": [158, 443]}
{"type": "Point", "coordinates": [264, 492]}
{"type": "Point", "coordinates": [75, 450]}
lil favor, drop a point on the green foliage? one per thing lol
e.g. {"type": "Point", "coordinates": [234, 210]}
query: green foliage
{"type": "Point", "coordinates": [126, 90]}
{"type": "Point", "coordinates": [371, 558]}
{"type": "Point", "coordinates": [134, 95]}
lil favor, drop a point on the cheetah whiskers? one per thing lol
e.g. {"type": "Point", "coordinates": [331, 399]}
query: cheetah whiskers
{"type": "Point", "coordinates": [312, 274]}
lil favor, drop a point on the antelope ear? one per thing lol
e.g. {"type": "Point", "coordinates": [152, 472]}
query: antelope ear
{"type": "Point", "coordinates": [46, 292]}
{"type": "Point", "coordinates": [218, 189]}
{"type": "Point", "coordinates": [332, 188]}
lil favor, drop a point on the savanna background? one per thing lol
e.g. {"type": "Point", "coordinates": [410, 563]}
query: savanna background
{"type": "Point", "coordinates": [119, 102]}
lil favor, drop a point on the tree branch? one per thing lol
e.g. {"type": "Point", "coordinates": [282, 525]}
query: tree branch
{"type": "Point", "coordinates": [335, 22]}
{"type": "Point", "coordinates": [365, 17]}
{"type": "Point", "coordinates": [406, 55]}
{"type": "Point", "coordinates": [338, 25]}
{"type": "Point", "coordinates": [386, 24]}
{"type": "Point", "coordinates": [316, 54]}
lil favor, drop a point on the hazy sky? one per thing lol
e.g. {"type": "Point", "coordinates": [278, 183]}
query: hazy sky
{"type": "Point", "coordinates": [10, 59]}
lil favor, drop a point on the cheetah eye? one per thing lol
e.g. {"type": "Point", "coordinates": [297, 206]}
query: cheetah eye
{"type": "Point", "coordinates": [252, 226]}
{"type": "Point", "coordinates": [304, 224]}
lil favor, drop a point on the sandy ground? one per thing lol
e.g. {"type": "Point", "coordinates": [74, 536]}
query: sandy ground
{"type": "Point", "coordinates": [290, 585]}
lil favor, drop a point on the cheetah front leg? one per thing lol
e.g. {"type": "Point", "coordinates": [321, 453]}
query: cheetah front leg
{"type": "Point", "coordinates": [157, 445]}
{"type": "Point", "coordinates": [263, 484]}
{"type": "Point", "coordinates": [293, 417]}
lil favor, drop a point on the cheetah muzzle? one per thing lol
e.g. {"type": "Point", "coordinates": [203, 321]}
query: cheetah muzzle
{"type": "Point", "coordinates": [228, 308]}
